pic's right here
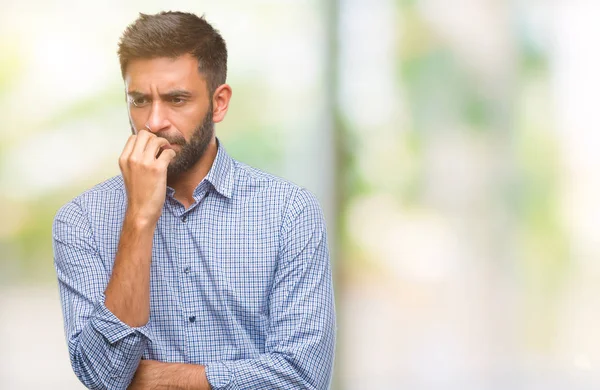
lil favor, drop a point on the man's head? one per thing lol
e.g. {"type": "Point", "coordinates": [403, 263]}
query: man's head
{"type": "Point", "coordinates": [174, 66]}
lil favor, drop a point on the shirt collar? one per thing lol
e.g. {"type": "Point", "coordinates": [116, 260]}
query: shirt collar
{"type": "Point", "coordinates": [221, 174]}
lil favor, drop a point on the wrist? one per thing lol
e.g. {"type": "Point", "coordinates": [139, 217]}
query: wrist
{"type": "Point", "coordinates": [139, 221]}
{"type": "Point", "coordinates": [185, 377]}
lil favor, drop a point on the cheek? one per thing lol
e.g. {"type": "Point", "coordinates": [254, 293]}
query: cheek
{"type": "Point", "coordinates": [186, 120]}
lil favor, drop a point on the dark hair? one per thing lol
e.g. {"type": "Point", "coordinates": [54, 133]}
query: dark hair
{"type": "Point", "coordinates": [172, 34]}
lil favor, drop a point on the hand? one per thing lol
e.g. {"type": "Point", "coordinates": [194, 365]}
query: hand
{"type": "Point", "coordinates": [145, 175]}
{"type": "Point", "coordinates": [154, 375]}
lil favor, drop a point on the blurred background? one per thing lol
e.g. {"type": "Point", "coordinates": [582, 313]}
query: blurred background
{"type": "Point", "coordinates": [451, 144]}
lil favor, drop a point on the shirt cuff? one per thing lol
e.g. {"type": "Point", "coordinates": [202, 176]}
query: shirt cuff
{"type": "Point", "coordinates": [112, 328]}
{"type": "Point", "coordinates": [219, 376]}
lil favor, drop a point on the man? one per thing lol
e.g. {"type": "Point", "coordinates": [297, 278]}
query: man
{"type": "Point", "coordinates": [191, 270]}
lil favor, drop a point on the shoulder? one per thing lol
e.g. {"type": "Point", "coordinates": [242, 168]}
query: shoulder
{"type": "Point", "coordinates": [255, 180]}
{"type": "Point", "coordinates": [295, 204]}
{"type": "Point", "coordinates": [95, 198]}
{"type": "Point", "coordinates": [250, 176]}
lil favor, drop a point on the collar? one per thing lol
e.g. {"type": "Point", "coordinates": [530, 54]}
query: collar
{"type": "Point", "coordinates": [221, 174]}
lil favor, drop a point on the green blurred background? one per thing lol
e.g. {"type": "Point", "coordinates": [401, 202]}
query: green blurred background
{"type": "Point", "coordinates": [451, 144]}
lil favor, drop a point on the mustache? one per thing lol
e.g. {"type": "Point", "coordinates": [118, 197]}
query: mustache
{"type": "Point", "coordinates": [174, 140]}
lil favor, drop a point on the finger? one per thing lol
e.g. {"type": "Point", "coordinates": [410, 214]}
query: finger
{"type": "Point", "coordinates": [153, 148]}
{"type": "Point", "coordinates": [142, 138]}
{"type": "Point", "coordinates": [128, 147]}
{"type": "Point", "coordinates": [166, 156]}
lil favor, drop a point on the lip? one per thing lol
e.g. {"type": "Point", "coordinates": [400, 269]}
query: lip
{"type": "Point", "coordinates": [170, 146]}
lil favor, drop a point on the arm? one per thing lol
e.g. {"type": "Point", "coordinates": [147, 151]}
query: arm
{"type": "Point", "coordinates": [105, 315]}
{"type": "Point", "coordinates": [104, 350]}
{"type": "Point", "coordinates": [299, 348]}
{"type": "Point", "coordinates": [145, 176]}
{"type": "Point", "coordinates": [154, 375]}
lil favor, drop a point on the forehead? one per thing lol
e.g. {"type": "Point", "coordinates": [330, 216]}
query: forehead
{"type": "Point", "coordinates": [164, 73]}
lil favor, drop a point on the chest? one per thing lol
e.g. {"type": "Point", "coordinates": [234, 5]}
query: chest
{"type": "Point", "coordinates": [210, 254]}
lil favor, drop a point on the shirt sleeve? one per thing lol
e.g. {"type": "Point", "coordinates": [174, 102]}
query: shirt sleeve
{"type": "Point", "coordinates": [104, 351]}
{"type": "Point", "coordinates": [299, 348]}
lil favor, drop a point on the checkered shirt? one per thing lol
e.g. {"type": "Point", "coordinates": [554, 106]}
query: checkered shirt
{"type": "Point", "coordinates": [240, 282]}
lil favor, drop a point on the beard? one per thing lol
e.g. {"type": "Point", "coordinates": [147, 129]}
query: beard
{"type": "Point", "coordinates": [191, 151]}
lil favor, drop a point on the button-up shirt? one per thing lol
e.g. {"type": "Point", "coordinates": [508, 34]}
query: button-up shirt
{"type": "Point", "coordinates": [240, 282]}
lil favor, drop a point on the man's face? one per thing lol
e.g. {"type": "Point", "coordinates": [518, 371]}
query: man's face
{"type": "Point", "coordinates": [169, 97]}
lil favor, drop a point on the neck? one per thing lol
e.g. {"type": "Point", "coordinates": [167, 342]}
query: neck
{"type": "Point", "coordinates": [186, 182]}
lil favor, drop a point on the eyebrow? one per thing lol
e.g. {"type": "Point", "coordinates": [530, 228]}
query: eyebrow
{"type": "Point", "coordinates": [171, 94]}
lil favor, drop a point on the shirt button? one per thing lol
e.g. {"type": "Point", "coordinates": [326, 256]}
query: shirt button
{"type": "Point", "coordinates": [187, 270]}
{"type": "Point", "coordinates": [192, 318]}
{"type": "Point", "coordinates": [184, 218]}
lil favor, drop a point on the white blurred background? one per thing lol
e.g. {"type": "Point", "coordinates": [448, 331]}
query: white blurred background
{"type": "Point", "coordinates": [451, 143]}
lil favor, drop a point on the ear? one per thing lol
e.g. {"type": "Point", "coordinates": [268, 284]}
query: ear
{"type": "Point", "coordinates": [221, 99]}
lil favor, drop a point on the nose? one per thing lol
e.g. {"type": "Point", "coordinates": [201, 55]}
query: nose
{"type": "Point", "coordinates": [157, 121]}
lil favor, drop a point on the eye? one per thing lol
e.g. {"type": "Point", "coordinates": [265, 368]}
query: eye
{"type": "Point", "coordinates": [177, 101]}
{"type": "Point", "coordinates": [139, 101]}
